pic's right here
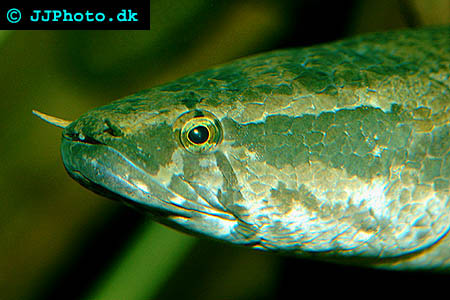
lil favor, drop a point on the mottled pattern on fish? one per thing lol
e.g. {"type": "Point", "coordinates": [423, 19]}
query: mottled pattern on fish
{"type": "Point", "coordinates": [338, 151]}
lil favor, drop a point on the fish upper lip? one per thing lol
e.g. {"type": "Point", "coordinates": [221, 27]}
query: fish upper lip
{"type": "Point", "coordinates": [146, 199]}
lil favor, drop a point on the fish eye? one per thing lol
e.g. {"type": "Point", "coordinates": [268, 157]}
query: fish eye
{"type": "Point", "coordinates": [198, 135]}
{"type": "Point", "coordinates": [198, 131]}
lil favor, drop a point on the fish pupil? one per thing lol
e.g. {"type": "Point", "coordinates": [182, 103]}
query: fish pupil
{"type": "Point", "coordinates": [198, 135]}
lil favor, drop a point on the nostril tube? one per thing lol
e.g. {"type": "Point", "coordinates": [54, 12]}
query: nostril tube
{"type": "Point", "coordinates": [51, 119]}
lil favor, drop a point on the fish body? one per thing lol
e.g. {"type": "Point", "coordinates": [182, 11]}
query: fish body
{"type": "Point", "coordinates": [338, 151]}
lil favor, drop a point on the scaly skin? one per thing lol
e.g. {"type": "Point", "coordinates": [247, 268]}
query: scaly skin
{"type": "Point", "coordinates": [339, 151]}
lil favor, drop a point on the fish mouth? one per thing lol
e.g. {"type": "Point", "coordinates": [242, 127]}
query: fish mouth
{"type": "Point", "coordinates": [106, 171]}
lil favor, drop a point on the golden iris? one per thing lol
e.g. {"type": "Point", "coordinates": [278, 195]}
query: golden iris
{"type": "Point", "coordinates": [198, 131]}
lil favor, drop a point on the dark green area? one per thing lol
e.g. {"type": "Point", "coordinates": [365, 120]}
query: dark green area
{"type": "Point", "coordinates": [344, 139]}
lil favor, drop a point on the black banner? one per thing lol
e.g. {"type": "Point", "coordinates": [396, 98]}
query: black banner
{"type": "Point", "coordinates": [75, 15]}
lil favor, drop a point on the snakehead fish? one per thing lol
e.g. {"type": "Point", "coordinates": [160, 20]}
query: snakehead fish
{"type": "Point", "coordinates": [338, 151]}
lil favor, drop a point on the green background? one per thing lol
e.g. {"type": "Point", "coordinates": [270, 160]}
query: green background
{"type": "Point", "coordinates": [59, 240]}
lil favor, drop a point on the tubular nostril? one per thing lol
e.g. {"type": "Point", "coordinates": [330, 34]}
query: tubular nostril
{"type": "Point", "coordinates": [112, 129]}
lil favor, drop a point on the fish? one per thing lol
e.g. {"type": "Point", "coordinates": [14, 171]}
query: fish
{"type": "Point", "coordinates": [338, 151]}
